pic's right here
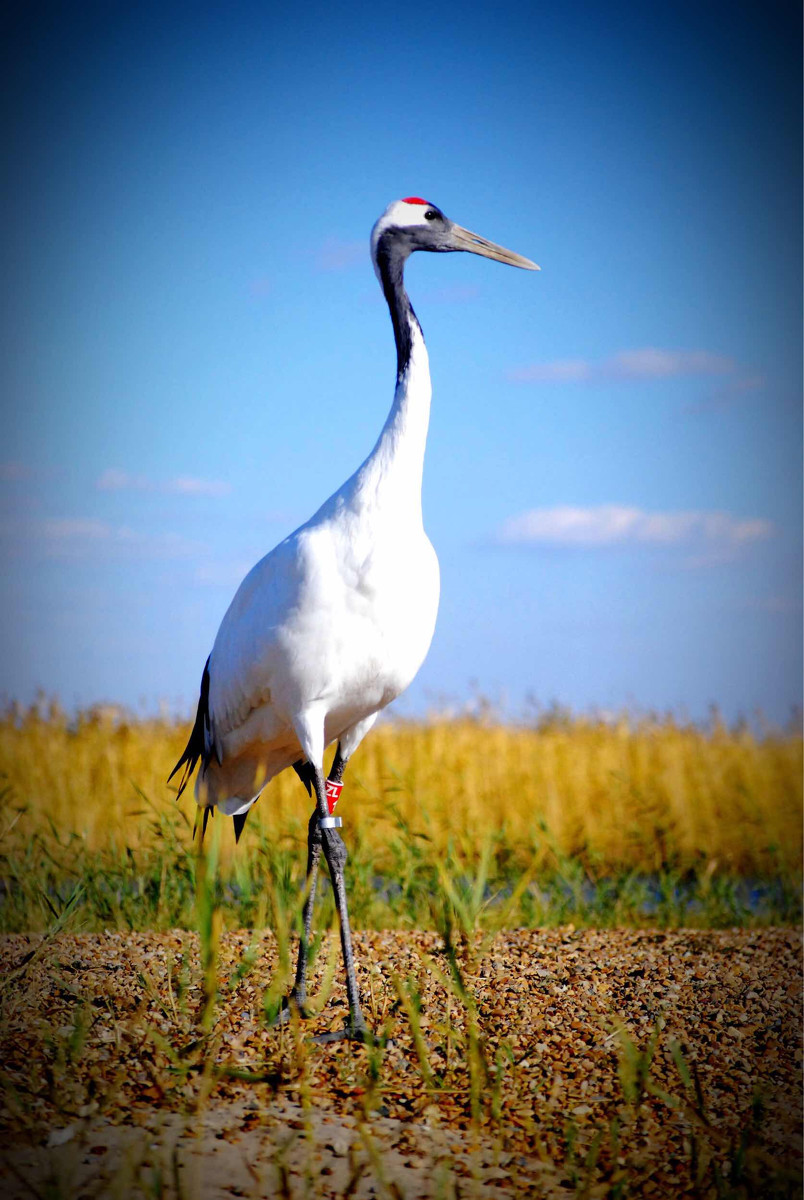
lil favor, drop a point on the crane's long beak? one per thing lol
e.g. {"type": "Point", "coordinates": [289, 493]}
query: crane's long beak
{"type": "Point", "coordinates": [464, 239]}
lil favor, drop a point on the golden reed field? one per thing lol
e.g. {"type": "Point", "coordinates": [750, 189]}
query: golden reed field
{"type": "Point", "coordinates": [626, 795]}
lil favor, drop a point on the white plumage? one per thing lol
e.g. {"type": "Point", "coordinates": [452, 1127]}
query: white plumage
{"type": "Point", "coordinates": [333, 624]}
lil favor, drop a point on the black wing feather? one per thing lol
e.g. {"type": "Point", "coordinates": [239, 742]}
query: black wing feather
{"type": "Point", "coordinates": [304, 770]}
{"type": "Point", "coordinates": [200, 739]}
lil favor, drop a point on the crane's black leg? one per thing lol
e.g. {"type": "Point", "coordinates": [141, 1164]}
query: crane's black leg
{"type": "Point", "coordinates": [336, 854]}
{"type": "Point", "coordinates": [298, 993]}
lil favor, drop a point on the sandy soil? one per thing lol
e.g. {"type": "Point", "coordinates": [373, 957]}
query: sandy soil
{"type": "Point", "coordinates": [576, 1062]}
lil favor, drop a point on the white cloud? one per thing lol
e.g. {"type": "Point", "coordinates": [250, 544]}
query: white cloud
{"type": "Point", "coordinates": [564, 370]}
{"type": "Point", "coordinates": [618, 525]}
{"type": "Point", "coordinates": [651, 363]}
{"type": "Point", "coordinates": [86, 538]}
{"type": "Point", "coordinates": [186, 485]}
{"type": "Point", "coordinates": [70, 529]}
{"type": "Point", "coordinates": [155, 545]}
{"type": "Point", "coordinates": [113, 480]}
{"type": "Point", "coordinates": [646, 363]}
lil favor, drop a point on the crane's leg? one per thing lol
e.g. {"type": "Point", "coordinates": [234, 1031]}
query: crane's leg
{"type": "Point", "coordinates": [335, 853]}
{"type": "Point", "coordinates": [298, 993]}
{"type": "Point", "coordinates": [311, 740]}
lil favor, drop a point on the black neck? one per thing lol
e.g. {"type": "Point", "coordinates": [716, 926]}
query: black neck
{"type": "Point", "coordinates": [391, 265]}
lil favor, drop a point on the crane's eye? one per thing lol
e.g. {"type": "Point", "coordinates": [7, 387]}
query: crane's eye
{"type": "Point", "coordinates": [431, 215]}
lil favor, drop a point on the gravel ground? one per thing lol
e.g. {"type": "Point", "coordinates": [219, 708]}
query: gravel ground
{"type": "Point", "coordinates": [596, 1063]}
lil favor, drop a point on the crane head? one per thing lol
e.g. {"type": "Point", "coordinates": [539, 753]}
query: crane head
{"type": "Point", "coordinates": [415, 224]}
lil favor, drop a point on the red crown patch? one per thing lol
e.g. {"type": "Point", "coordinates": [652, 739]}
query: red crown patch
{"type": "Point", "coordinates": [414, 200]}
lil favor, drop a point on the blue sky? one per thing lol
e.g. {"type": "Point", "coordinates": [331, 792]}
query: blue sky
{"type": "Point", "coordinates": [196, 352]}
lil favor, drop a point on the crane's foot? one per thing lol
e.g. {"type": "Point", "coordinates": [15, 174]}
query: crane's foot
{"type": "Point", "coordinates": [290, 1005]}
{"type": "Point", "coordinates": [353, 1031]}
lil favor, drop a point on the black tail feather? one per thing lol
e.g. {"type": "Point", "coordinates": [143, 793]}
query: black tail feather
{"type": "Point", "coordinates": [239, 821]}
{"type": "Point", "coordinates": [304, 770]}
{"type": "Point", "coordinates": [208, 812]}
{"type": "Point", "coordinates": [196, 747]}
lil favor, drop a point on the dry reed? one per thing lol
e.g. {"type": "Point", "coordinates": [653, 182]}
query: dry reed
{"type": "Point", "coordinates": [629, 794]}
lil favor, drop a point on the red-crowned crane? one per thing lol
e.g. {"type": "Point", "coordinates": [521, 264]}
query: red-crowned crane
{"type": "Point", "coordinates": [334, 623]}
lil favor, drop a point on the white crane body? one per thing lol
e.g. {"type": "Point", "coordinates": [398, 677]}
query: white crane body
{"type": "Point", "coordinates": [333, 624]}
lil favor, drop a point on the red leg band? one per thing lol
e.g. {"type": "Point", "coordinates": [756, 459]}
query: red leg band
{"type": "Point", "coordinates": [333, 793]}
